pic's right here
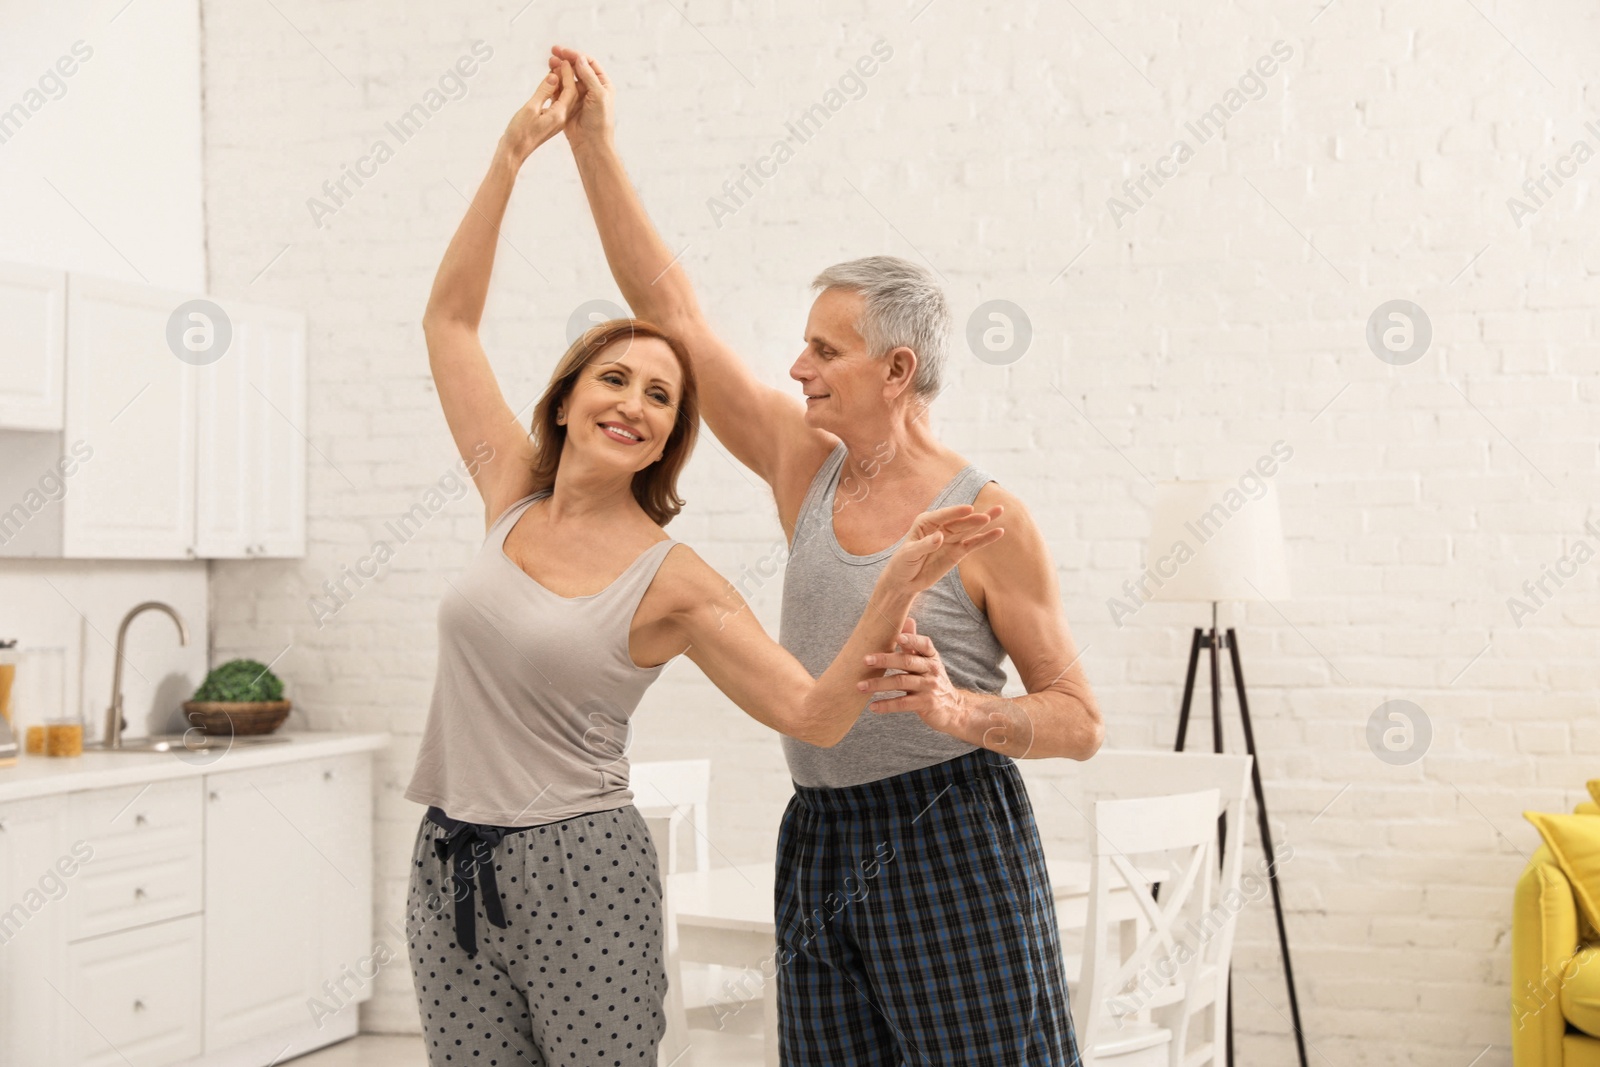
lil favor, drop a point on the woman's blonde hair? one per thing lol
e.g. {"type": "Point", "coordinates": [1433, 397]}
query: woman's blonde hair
{"type": "Point", "coordinates": [655, 487]}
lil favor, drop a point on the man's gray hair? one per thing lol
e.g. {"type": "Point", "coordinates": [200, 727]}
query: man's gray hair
{"type": "Point", "coordinates": [904, 306]}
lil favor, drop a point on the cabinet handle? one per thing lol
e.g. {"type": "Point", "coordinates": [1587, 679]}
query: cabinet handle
{"type": "Point", "coordinates": [139, 820]}
{"type": "Point", "coordinates": [188, 550]}
{"type": "Point", "coordinates": [2, 826]}
{"type": "Point", "coordinates": [327, 776]}
{"type": "Point", "coordinates": [138, 893]}
{"type": "Point", "coordinates": [138, 1005]}
{"type": "Point", "coordinates": [214, 795]}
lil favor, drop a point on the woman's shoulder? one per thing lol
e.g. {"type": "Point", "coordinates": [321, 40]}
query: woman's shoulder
{"type": "Point", "coordinates": [503, 509]}
{"type": "Point", "coordinates": [686, 582]}
{"type": "Point", "coordinates": [684, 569]}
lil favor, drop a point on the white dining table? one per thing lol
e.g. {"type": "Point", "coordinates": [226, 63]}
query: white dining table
{"type": "Point", "coordinates": [725, 916]}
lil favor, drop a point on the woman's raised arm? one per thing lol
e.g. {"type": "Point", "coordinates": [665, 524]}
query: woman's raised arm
{"type": "Point", "coordinates": [487, 435]}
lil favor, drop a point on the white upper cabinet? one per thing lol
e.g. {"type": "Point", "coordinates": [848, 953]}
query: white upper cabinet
{"type": "Point", "coordinates": [252, 449]}
{"type": "Point", "coordinates": [131, 401]}
{"type": "Point", "coordinates": [222, 460]}
{"type": "Point", "coordinates": [179, 422]}
{"type": "Point", "coordinates": [276, 342]}
{"type": "Point", "coordinates": [32, 352]}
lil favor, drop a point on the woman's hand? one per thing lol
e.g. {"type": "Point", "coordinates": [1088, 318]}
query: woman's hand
{"type": "Point", "coordinates": [545, 113]}
{"type": "Point", "coordinates": [591, 117]}
{"type": "Point", "coordinates": [936, 542]}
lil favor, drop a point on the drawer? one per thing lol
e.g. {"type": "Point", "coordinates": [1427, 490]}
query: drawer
{"type": "Point", "coordinates": [147, 848]}
{"type": "Point", "coordinates": [138, 816]}
{"type": "Point", "coordinates": [136, 995]}
{"type": "Point", "coordinates": [120, 888]}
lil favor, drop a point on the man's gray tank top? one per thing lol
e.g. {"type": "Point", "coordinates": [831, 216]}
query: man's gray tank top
{"type": "Point", "coordinates": [825, 591]}
{"type": "Point", "coordinates": [530, 710]}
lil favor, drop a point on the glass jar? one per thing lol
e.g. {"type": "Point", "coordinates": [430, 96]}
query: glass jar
{"type": "Point", "coordinates": [9, 658]}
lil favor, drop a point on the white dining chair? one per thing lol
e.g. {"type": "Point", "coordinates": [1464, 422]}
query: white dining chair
{"type": "Point", "coordinates": [673, 796]}
{"type": "Point", "coordinates": [1198, 1022]}
{"type": "Point", "coordinates": [1126, 982]}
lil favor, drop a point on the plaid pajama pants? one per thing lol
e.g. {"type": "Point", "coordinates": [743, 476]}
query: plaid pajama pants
{"type": "Point", "coordinates": [916, 925]}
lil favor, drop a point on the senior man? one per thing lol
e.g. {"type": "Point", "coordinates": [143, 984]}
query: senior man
{"type": "Point", "coordinates": [914, 916]}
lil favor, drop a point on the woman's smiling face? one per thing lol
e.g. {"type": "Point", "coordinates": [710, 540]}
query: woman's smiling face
{"type": "Point", "coordinates": [624, 404]}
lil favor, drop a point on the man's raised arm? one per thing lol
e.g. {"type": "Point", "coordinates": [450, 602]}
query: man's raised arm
{"type": "Point", "coordinates": [755, 421]}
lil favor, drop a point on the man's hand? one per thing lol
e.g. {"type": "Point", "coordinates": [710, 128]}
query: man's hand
{"type": "Point", "coordinates": [592, 116]}
{"type": "Point", "coordinates": [996, 724]}
{"type": "Point", "coordinates": [543, 115]}
{"type": "Point", "coordinates": [920, 675]}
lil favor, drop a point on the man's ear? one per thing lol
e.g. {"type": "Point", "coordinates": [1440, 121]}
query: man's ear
{"type": "Point", "coordinates": [901, 368]}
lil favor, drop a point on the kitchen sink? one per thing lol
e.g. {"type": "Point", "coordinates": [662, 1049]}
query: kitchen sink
{"type": "Point", "coordinates": [184, 743]}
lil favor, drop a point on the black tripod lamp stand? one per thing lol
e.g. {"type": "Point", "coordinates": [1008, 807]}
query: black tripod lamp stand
{"type": "Point", "coordinates": [1213, 542]}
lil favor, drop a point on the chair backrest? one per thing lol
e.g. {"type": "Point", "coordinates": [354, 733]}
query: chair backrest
{"type": "Point", "coordinates": [1123, 773]}
{"type": "Point", "coordinates": [675, 792]}
{"type": "Point", "coordinates": [1156, 966]}
{"type": "Point", "coordinates": [1137, 773]}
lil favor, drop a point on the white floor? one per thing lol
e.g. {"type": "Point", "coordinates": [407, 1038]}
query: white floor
{"type": "Point", "coordinates": [390, 1050]}
{"type": "Point", "coordinates": [370, 1050]}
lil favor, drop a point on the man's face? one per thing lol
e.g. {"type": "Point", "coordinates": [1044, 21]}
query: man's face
{"type": "Point", "coordinates": [843, 384]}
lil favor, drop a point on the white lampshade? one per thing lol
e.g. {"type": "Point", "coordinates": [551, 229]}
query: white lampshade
{"type": "Point", "coordinates": [1213, 541]}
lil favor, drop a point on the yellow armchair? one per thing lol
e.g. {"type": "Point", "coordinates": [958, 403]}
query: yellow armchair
{"type": "Point", "coordinates": [1555, 976]}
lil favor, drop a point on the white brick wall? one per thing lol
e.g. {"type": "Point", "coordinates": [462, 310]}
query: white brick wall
{"type": "Point", "coordinates": [1225, 315]}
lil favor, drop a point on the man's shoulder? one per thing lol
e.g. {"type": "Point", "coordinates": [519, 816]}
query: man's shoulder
{"type": "Point", "coordinates": [1019, 552]}
{"type": "Point", "coordinates": [993, 493]}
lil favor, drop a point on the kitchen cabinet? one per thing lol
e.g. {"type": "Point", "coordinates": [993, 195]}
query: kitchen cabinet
{"type": "Point", "coordinates": [32, 347]}
{"type": "Point", "coordinates": [31, 930]}
{"type": "Point", "coordinates": [252, 452]}
{"type": "Point", "coordinates": [137, 995]}
{"type": "Point", "coordinates": [165, 450]}
{"type": "Point", "coordinates": [200, 919]}
{"type": "Point", "coordinates": [145, 842]}
{"type": "Point", "coordinates": [132, 402]}
{"type": "Point", "coordinates": [288, 888]}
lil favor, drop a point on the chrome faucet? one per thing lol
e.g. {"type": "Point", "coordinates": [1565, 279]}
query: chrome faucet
{"type": "Point", "coordinates": [115, 723]}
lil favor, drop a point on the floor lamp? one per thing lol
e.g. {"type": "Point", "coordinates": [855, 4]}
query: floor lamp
{"type": "Point", "coordinates": [1212, 542]}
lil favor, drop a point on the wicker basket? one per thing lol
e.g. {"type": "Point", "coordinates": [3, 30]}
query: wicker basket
{"type": "Point", "coordinates": [228, 718]}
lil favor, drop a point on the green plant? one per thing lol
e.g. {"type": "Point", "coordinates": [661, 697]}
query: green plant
{"type": "Point", "coordinates": [240, 680]}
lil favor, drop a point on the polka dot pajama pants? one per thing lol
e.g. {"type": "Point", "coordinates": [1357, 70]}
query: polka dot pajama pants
{"type": "Point", "coordinates": [575, 978]}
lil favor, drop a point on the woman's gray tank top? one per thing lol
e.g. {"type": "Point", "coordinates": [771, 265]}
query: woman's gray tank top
{"type": "Point", "coordinates": [530, 710]}
{"type": "Point", "coordinates": [825, 590]}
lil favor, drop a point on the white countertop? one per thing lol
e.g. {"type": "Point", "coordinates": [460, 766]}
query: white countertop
{"type": "Point", "coordinates": [38, 776]}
